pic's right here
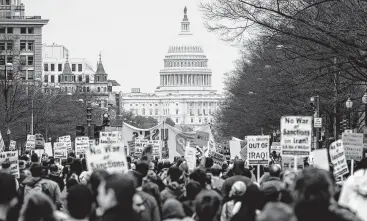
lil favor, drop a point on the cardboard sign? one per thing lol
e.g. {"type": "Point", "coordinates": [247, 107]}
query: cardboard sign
{"type": "Point", "coordinates": [110, 157]}
{"type": "Point", "coordinates": [31, 142]}
{"type": "Point", "coordinates": [217, 157]}
{"type": "Point", "coordinates": [319, 159]}
{"type": "Point", "coordinates": [337, 156]}
{"type": "Point", "coordinates": [81, 144]}
{"type": "Point", "coordinates": [258, 150]}
{"type": "Point", "coordinates": [60, 150]}
{"type": "Point", "coordinates": [12, 145]}
{"type": "Point", "coordinates": [12, 156]}
{"type": "Point", "coordinates": [66, 138]}
{"type": "Point", "coordinates": [48, 149]}
{"type": "Point", "coordinates": [235, 148]}
{"type": "Point", "coordinates": [109, 137]}
{"type": "Point", "coordinates": [275, 146]}
{"type": "Point", "coordinates": [141, 144]}
{"type": "Point", "coordinates": [296, 135]}
{"type": "Point", "coordinates": [288, 163]}
{"type": "Point", "coordinates": [202, 138]}
{"type": "Point", "coordinates": [353, 146]}
{"type": "Point", "coordinates": [190, 157]}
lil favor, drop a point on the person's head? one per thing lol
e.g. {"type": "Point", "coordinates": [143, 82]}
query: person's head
{"type": "Point", "coordinates": [209, 162]}
{"type": "Point", "coordinates": [174, 173]}
{"type": "Point", "coordinates": [238, 189]}
{"type": "Point", "coordinates": [36, 170]}
{"type": "Point", "coordinates": [199, 175]}
{"type": "Point", "coordinates": [76, 167]}
{"type": "Point", "coordinates": [95, 179]}
{"type": "Point", "coordinates": [138, 204]}
{"type": "Point", "coordinates": [276, 212]}
{"type": "Point", "coordinates": [22, 165]}
{"type": "Point", "coordinates": [70, 183]}
{"type": "Point", "coordinates": [25, 158]}
{"type": "Point", "coordinates": [84, 164]}
{"type": "Point", "coordinates": [362, 165]}
{"type": "Point", "coordinates": [271, 191]}
{"type": "Point", "coordinates": [247, 173]}
{"type": "Point", "coordinates": [34, 158]}
{"type": "Point", "coordinates": [5, 166]}
{"type": "Point", "coordinates": [7, 189]}
{"type": "Point", "coordinates": [216, 170]}
{"type": "Point", "coordinates": [151, 166]}
{"type": "Point", "coordinates": [142, 167]}
{"type": "Point", "coordinates": [207, 205]}
{"type": "Point", "coordinates": [69, 160]}
{"type": "Point", "coordinates": [37, 206]}
{"type": "Point", "coordinates": [116, 189]}
{"type": "Point", "coordinates": [275, 170]}
{"type": "Point", "coordinates": [238, 167]}
{"type": "Point", "coordinates": [54, 170]}
{"type": "Point", "coordinates": [79, 201]}
{"type": "Point", "coordinates": [172, 209]}
{"type": "Point", "coordinates": [193, 188]}
{"type": "Point", "coordinates": [152, 189]}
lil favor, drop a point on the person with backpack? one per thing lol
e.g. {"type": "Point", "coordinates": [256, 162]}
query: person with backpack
{"type": "Point", "coordinates": [37, 183]}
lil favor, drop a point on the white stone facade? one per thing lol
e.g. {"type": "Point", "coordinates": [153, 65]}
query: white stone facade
{"type": "Point", "coordinates": [185, 92]}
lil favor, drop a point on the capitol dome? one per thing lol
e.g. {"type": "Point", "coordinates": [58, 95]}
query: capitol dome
{"type": "Point", "coordinates": [185, 64]}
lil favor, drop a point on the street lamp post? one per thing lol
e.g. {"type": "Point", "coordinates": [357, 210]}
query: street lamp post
{"type": "Point", "coordinates": [364, 101]}
{"type": "Point", "coordinates": [349, 105]}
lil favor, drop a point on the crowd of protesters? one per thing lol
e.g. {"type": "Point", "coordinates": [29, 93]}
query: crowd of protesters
{"type": "Point", "coordinates": [48, 190]}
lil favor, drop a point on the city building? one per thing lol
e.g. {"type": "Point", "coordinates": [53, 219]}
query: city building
{"type": "Point", "coordinates": [76, 75]}
{"type": "Point", "coordinates": [20, 42]}
{"type": "Point", "coordinates": [185, 92]}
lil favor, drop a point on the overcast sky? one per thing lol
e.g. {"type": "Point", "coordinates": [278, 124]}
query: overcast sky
{"type": "Point", "coordinates": [133, 36]}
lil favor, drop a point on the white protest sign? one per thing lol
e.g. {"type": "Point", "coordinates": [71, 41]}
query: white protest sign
{"type": "Point", "coordinates": [81, 144]}
{"type": "Point", "coordinates": [296, 132]}
{"type": "Point", "coordinates": [288, 163]}
{"type": "Point", "coordinates": [218, 158]}
{"type": "Point", "coordinates": [31, 142]}
{"type": "Point", "coordinates": [60, 150]}
{"type": "Point", "coordinates": [190, 157]}
{"type": "Point", "coordinates": [317, 123]}
{"type": "Point", "coordinates": [141, 143]}
{"type": "Point", "coordinates": [275, 146]}
{"type": "Point", "coordinates": [235, 148]}
{"type": "Point", "coordinates": [67, 140]}
{"type": "Point", "coordinates": [110, 157]}
{"type": "Point", "coordinates": [337, 156]}
{"type": "Point", "coordinates": [12, 156]}
{"type": "Point", "coordinates": [353, 145]}
{"type": "Point", "coordinates": [320, 159]}
{"type": "Point", "coordinates": [48, 149]}
{"type": "Point", "coordinates": [12, 145]}
{"type": "Point", "coordinates": [258, 150]}
{"type": "Point", "coordinates": [2, 145]}
{"type": "Point", "coordinates": [109, 137]}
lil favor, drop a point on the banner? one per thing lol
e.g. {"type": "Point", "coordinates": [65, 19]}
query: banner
{"type": "Point", "coordinates": [109, 137]}
{"type": "Point", "coordinates": [296, 132]}
{"type": "Point", "coordinates": [48, 149]}
{"type": "Point", "coordinates": [110, 157]}
{"type": "Point", "coordinates": [141, 144]}
{"type": "Point", "coordinates": [353, 146]}
{"type": "Point", "coordinates": [13, 145]}
{"type": "Point", "coordinates": [217, 157]}
{"type": "Point", "coordinates": [12, 156]}
{"type": "Point", "coordinates": [190, 157]}
{"type": "Point", "coordinates": [235, 148]}
{"type": "Point", "coordinates": [258, 150]}
{"type": "Point", "coordinates": [337, 156]}
{"type": "Point", "coordinates": [81, 144]}
{"type": "Point", "coordinates": [31, 142]}
{"type": "Point", "coordinates": [60, 150]}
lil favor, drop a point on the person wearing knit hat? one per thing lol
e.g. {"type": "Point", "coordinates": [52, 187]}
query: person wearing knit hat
{"type": "Point", "coordinates": [276, 212]}
{"type": "Point", "coordinates": [231, 207]}
{"type": "Point", "coordinates": [173, 210]}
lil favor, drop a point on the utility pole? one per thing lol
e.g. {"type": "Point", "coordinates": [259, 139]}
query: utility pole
{"type": "Point", "coordinates": [336, 107]}
{"type": "Point", "coordinates": [89, 118]}
{"type": "Point", "coordinates": [318, 130]}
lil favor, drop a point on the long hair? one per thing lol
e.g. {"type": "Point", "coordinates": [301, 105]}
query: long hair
{"type": "Point", "coordinates": [37, 206]}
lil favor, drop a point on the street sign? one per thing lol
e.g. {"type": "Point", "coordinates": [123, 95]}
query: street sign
{"type": "Point", "coordinates": [317, 123]}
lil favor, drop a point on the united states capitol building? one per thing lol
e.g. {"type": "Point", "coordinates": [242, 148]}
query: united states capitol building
{"type": "Point", "coordinates": [185, 92]}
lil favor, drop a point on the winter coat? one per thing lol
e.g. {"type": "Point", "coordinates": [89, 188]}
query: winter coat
{"type": "Point", "coordinates": [151, 212]}
{"type": "Point", "coordinates": [354, 193]}
{"type": "Point", "coordinates": [227, 185]}
{"type": "Point", "coordinates": [172, 190]}
{"type": "Point", "coordinates": [58, 180]}
{"type": "Point", "coordinates": [51, 187]}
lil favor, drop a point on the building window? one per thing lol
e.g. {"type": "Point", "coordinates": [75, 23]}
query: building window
{"type": "Point", "coordinates": [176, 104]}
{"type": "Point", "coordinates": [199, 120]}
{"type": "Point", "coordinates": [30, 30]}
{"type": "Point", "coordinates": [176, 120]}
{"type": "Point", "coordinates": [192, 120]}
{"type": "Point", "coordinates": [73, 67]}
{"type": "Point", "coordinates": [9, 59]}
{"type": "Point", "coordinates": [30, 60]}
{"type": "Point", "coordinates": [204, 112]}
{"type": "Point", "coordinates": [52, 67]}
{"type": "Point", "coordinates": [87, 89]}
{"type": "Point", "coordinates": [210, 111]}
{"type": "Point", "coordinates": [23, 30]}
{"type": "Point", "coordinates": [30, 75]}
{"type": "Point", "coordinates": [97, 78]}
{"type": "Point", "coordinates": [150, 105]}
{"type": "Point", "coordinates": [23, 60]}
{"type": "Point", "coordinates": [80, 67]}
{"type": "Point", "coordinates": [156, 105]}
{"type": "Point", "coordinates": [150, 111]}
{"type": "Point", "coordinates": [80, 78]}
{"type": "Point", "coordinates": [30, 45]}
{"type": "Point", "coordinates": [23, 45]}
{"type": "Point", "coordinates": [131, 105]}
{"type": "Point", "coordinates": [143, 105]}
{"type": "Point", "coordinates": [176, 111]}
{"type": "Point", "coordinates": [210, 104]}
{"type": "Point", "coordinates": [65, 78]}
{"type": "Point", "coordinates": [9, 45]}
{"type": "Point", "coordinates": [156, 112]}
{"type": "Point", "coordinates": [46, 78]}
{"type": "Point", "coordinates": [58, 78]}
{"type": "Point", "coordinates": [2, 46]}
{"type": "Point", "coordinates": [136, 104]}
{"type": "Point", "coordinates": [143, 112]}
{"type": "Point", "coordinates": [59, 67]}
{"type": "Point", "coordinates": [2, 30]}
{"type": "Point", "coordinates": [191, 112]}
{"type": "Point", "coordinates": [99, 89]}
{"type": "Point", "coordinates": [52, 79]}
{"type": "Point", "coordinates": [87, 79]}
{"type": "Point", "coordinates": [198, 111]}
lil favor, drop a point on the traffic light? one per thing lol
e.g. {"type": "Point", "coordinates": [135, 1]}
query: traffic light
{"type": "Point", "coordinates": [89, 113]}
{"type": "Point", "coordinates": [106, 120]}
{"type": "Point", "coordinates": [80, 131]}
{"type": "Point", "coordinates": [97, 130]}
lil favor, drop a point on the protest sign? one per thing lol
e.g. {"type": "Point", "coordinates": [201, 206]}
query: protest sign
{"type": "Point", "coordinates": [190, 157]}
{"type": "Point", "coordinates": [48, 149]}
{"type": "Point", "coordinates": [39, 153]}
{"type": "Point", "coordinates": [353, 145]}
{"type": "Point", "coordinates": [12, 145]}
{"type": "Point", "coordinates": [81, 144]}
{"type": "Point", "coordinates": [202, 138]}
{"type": "Point", "coordinates": [92, 142]}
{"type": "Point", "coordinates": [235, 148]}
{"type": "Point", "coordinates": [319, 159]}
{"type": "Point", "coordinates": [60, 150]}
{"type": "Point", "coordinates": [296, 132]}
{"type": "Point", "coordinates": [67, 140]}
{"type": "Point", "coordinates": [275, 146]}
{"type": "Point", "coordinates": [337, 157]}
{"type": "Point", "coordinates": [31, 142]}
{"type": "Point", "coordinates": [258, 150]}
{"type": "Point", "coordinates": [141, 143]}
{"type": "Point", "coordinates": [110, 157]}
{"type": "Point", "coordinates": [2, 144]}
{"type": "Point", "coordinates": [109, 137]}
{"type": "Point", "coordinates": [217, 157]}
{"type": "Point", "coordinates": [288, 163]}
{"type": "Point", "coordinates": [12, 156]}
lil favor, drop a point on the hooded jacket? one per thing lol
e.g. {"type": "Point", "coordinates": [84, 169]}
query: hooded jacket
{"type": "Point", "coordinates": [172, 190]}
{"type": "Point", "coordinates": [354, 193]}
